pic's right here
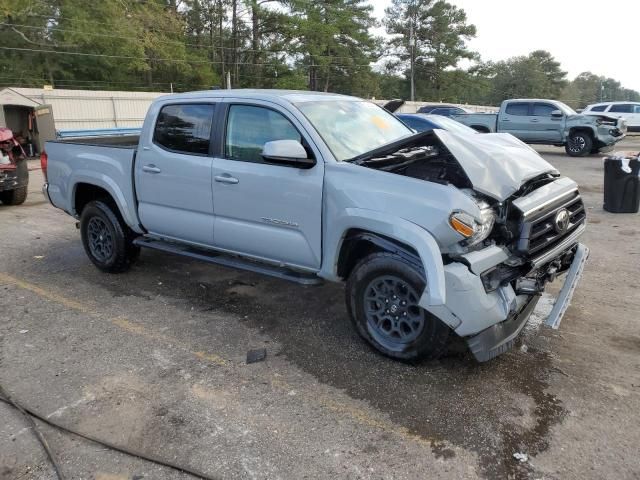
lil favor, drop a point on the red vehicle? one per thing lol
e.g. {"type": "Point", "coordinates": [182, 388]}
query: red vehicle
{"type": "Point", "coordinates": [14, 173]}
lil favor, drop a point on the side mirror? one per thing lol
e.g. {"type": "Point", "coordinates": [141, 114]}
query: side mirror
{"type": "Point", "coordinates": [287, 152]}
{"type": "Point", "coordinates": [557, 114]}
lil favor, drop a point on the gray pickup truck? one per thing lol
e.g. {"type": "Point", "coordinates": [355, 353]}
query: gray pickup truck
{"type": "Point", "coordinates": [550, 122]}
{"type": "Point", "coordinates": [434, 233]}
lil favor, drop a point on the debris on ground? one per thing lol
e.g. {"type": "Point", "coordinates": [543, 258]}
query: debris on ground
{"type": "Point", "coordinates": [521, 457]}
{"type": "Point", "coordinates": [257, 355]}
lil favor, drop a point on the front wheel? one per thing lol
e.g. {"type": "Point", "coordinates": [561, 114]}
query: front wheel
{"type": "Point", "coordinates": [579, 144]}
{"type": "Point", "coordinates": [106, 238]}
{"type": "Point", "coordinates": [382, 296]}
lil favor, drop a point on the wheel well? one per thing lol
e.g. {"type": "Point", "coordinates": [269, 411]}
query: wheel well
{"type": "Point", "coordinates": [582, 130]}
{"type": "Point", "coordinates": [480, 128]}
{"type": "Point", "coordinates": [358, 244]}
{"type": "Point", "coordinates": [86, 192]}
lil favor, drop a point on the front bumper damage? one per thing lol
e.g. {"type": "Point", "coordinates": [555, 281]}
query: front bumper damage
{"type": "Point", "coordinates": [499, 338]}
{"type": "Point", "coordinates": [491, 321]}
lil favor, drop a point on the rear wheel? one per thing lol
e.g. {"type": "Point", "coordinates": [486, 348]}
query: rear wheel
{"type": "Point", "coordinates": [382, 293]}
{"type": "Point", "coordinates": [579, 144]}
{"type": "Point", "coordinates": [107, 240]}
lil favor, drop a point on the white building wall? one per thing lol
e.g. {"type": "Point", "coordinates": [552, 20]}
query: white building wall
{"type": "Point", "coordinates": [89, 109]}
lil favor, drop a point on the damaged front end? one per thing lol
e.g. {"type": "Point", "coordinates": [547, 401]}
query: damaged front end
{"type": "Point", "coordinates": [522, 232]}
{"type": "Point", "coordinates": [494, 288]}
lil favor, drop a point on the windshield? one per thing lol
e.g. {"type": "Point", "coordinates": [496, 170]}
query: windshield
{"type": "Point", "coordinates": [451, 125]}
{"type": "Point", "coordinates": [351, 127]}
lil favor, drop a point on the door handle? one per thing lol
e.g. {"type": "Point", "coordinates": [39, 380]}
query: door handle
{"type": "Point", "coordinates": [151, 168]}
{"type": "Point", "coordinates": [226, 178]}
{"type": "Point", "coordinates": [535, 120]}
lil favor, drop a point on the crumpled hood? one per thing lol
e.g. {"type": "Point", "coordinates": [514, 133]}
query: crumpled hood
{"type": "Point", "coordinates": [497, 164]}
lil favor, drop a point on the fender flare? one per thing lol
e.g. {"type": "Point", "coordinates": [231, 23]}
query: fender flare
{"type": "Point", "coordinates": [395, 228]}
{"type": "Point", "coordinates": [126, 206]}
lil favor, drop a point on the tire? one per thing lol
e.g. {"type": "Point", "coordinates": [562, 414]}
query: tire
{"type": "Point", "coordinates": [579, 144]}
{"type": "Point", "coordinates": [383, 280]}
{"type": "Point", "coordinates": [107, 240]}
{"type": "Point", "coordinates": [14, 197]}
{"type": "Point", "coordinates": [18, 195]}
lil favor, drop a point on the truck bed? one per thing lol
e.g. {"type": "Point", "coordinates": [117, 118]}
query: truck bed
{"type": "Point", "coordinates": [106, 162]}
{"type": "Point", "coordinates": [482, 122]}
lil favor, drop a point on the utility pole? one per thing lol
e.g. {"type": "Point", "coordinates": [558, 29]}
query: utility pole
{"type": "Point", "coordinates": [412, 44]}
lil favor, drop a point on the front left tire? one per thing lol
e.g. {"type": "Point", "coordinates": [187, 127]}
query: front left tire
{"type": "Point", "coordinates": [382, 295]}
{"type": "Point", "coordinates": [579, 144]}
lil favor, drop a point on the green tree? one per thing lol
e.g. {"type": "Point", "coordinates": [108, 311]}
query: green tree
{"type": "Point", "coordinates": [535, 75]}
{"type": "Point", "coordinates": [429, 37]}
{"type": "Point", "coordinates": [333, 38]}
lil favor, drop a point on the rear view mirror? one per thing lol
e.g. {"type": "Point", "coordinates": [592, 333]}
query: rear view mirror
{"type": "Point", "coordinates": [287, 152]}
{"type": "Point", "coordinates": [557, 114]}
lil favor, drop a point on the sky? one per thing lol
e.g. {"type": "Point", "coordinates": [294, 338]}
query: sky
{"type": "Point", "coordinates": [583, 35]}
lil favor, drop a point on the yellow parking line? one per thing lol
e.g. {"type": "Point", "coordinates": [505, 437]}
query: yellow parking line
{"type": "Point", "coordinates": [358, 415]}
{"type": "Point", "coordinates": [6, 278]}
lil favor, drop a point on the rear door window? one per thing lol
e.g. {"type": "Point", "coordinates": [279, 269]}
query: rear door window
{"type": "Point", "coordinates": [249, 127]}
{"type": "Point", "coordinates": [518, 109]}
{"type": "Point", "coordinates": [599, 108]}
{"type": "Point", "coordinates": [185, 128]}
{"type": "Point", "coordinates": [621, 108]}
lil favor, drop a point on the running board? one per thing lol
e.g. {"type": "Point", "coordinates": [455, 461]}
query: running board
{"type": "Point", "coordinates": [226, 260]}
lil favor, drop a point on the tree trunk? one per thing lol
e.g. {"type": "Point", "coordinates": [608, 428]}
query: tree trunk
{"type": "Point", "coordinates": [221, 39]}
{"type": "Point", "coordinates": [255, 44]}
{"type": "Point", "coordinates": [234, 39]}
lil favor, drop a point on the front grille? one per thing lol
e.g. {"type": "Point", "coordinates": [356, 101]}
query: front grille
{"type": "Point", "coordinates": [539, 231]}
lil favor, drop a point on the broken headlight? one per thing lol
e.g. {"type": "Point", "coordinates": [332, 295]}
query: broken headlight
{"type": "Point", "coordinates": [474, 230]}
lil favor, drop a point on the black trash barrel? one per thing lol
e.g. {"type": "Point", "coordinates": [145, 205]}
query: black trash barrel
{"type": "Point", "coordinates": [621, 188]}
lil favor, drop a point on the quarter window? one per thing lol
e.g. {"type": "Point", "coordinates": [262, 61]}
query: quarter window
{"type": "Point", "coordinates": [185, 128]}
{"type": "Point", "coordinates": [519, 109]}
{"type": "Point", "coordinates": [250, 127]}
{"type": "Point", "coordinates": [599, 108]}
{"type": "Point", "coordinates": [621, 108]}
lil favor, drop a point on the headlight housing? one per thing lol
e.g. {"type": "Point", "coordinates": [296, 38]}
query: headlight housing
{"type": "Point", "coordinates": [470, 228]}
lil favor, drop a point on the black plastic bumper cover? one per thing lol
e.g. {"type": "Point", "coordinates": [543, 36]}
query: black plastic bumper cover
{"type": "Point", "coordinates": [499, 338]}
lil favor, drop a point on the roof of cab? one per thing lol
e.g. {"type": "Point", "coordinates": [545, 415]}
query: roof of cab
{"type": "Point", "coordinates": [290, 96]}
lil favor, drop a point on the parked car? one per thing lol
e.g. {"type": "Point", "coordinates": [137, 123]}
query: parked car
{"type": "Point", "coordinates": [422, 122]}
{"type": "Point", "coordinates": [14, 172]}
{"type": "Point", "coordinates": [443, 109]}
{"type": "Point", "coordinates": [434, 233]}
{"type": "Point", "coordinates": [550, 122]}
{"type": "Point", "coordinates": [630, 111]}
